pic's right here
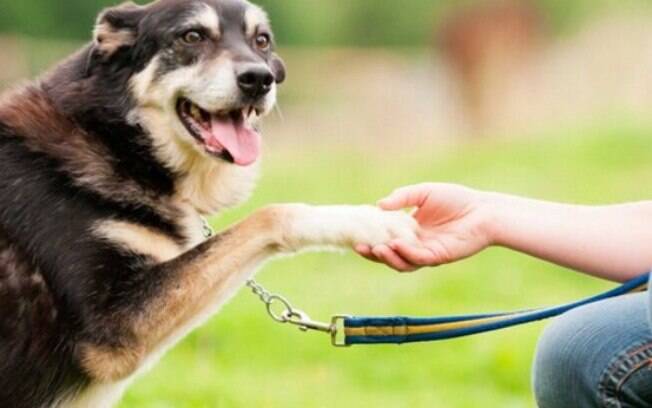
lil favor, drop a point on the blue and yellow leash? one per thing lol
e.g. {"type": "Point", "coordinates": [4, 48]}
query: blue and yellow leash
{"type": "Point", "coordinates": [349, 330]}
{"type": "Point", "coordinates": [399, 330]}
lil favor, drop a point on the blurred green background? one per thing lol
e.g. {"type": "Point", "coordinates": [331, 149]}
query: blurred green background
{"type": "Point", "coordinates": [550, 99]}
{"type": "Point", "coordinates": [301, 22]}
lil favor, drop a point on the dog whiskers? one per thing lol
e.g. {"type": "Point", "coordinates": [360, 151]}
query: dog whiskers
{"type": "Point", "coordinates": [279, 112]}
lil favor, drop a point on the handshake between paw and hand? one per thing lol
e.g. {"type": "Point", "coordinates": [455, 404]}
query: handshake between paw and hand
{"type": "Point", "coordinates": [452, 225]}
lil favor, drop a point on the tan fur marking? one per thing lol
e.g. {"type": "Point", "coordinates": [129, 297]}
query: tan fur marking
{"type": "Point", "coordinates": [207, 18]}
{"type": "Point", "coordinates": [108, 39]}
{"type": "Point", "coordinates": [140, 240]}
{"type": "Point", "coordinates": [106, 365]}
{"type": "Point", "coordinates": [225, 263]}
{"type": "Point", "coordinates": [255, 17]}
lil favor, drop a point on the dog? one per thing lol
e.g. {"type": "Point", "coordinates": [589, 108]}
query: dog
{"type": "Point", "coordinates": [108, 164]}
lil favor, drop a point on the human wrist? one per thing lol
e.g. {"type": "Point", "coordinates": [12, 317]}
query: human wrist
{"type": "Point", "coordinates": [494, 210]}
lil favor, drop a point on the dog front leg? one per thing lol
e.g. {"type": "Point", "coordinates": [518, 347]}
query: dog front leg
{"type": "Point", "coordinates": [184, 292]}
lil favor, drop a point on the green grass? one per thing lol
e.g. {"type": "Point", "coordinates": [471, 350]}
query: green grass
{"type": "Point", "coordinates": [242, 359]}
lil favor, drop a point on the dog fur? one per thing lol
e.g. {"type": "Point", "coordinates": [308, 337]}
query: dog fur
{"type": "Point", "coordinates": [103, 264]}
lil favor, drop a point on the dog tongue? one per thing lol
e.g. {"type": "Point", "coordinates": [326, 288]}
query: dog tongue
{"type": "Point", "coordinates": [241, 141]}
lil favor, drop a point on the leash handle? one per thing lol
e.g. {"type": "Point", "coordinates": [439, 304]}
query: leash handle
{"type": "Point", "coordinates": [400, 330]}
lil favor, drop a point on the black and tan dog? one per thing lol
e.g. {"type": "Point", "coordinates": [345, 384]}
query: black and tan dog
{"type": "Point", "coordinates": [106, 167]}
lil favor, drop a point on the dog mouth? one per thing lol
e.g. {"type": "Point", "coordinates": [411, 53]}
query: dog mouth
{"type": "Point", "coordinates": [224, 134]}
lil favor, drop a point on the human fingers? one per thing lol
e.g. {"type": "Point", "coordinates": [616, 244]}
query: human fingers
{"type": "Point", "coordinates": [366, 252]}
{"type": "Point", "coordinates": [415, 255]}
{"type": "Point", "coordinates": [405, 197]}
{"type": "Point", "coordinates": [387, 256]}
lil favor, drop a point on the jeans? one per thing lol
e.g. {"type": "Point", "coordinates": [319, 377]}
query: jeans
{"type": "Point", "coordinates": [597, 356]}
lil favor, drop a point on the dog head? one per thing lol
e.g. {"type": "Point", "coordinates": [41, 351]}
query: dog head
{"type": "Point", "coordinates": [203, 73]}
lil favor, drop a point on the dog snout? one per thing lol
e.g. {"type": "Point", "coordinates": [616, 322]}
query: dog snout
{"type": "Point", "coordinates": [255, 80]}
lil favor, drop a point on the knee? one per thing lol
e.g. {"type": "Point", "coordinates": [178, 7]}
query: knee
{"type": "Point", "coordinates": [581, 363]}
{"type": "Point", "coordinates": [561, 378]}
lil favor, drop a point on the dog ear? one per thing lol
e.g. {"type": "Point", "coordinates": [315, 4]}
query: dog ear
{"type": "Point", "coordinates": [117, 28]}
{"type": "Point", "coordinates": [278, 68]}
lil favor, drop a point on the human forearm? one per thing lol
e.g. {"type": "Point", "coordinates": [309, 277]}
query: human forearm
{"type": "Point", "coordinates": [456, 222]}
{"type": "Point", "coordinates": [613, 242]}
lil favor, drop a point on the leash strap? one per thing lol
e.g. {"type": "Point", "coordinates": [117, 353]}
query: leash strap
{"type": "Point", "coordinates": [400, 330]}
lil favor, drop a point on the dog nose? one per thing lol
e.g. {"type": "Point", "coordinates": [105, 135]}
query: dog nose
{"type": "Point", "coordinates": [255, 81]}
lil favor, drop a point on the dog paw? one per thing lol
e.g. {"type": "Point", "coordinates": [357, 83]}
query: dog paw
{"type": "Point", "coordinates": [347, 226]}
{"type": "Point", "coordinates": [373, 226]}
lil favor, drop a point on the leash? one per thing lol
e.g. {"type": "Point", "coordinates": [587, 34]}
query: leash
{"type": "Point", "coordinates": [346, 330]}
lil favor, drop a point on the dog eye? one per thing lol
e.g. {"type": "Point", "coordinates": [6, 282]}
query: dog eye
{"type": "Point", "coordinates": [263, 41]}
{"type": "Point", "coordinates": [193, 37]}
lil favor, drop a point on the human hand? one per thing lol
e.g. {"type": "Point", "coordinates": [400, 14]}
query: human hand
{"type": "Point", "coordinates": [452, 226]}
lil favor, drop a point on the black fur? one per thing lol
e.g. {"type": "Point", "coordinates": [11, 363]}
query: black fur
{"type": "Point", "coordinates": [60, 285]}
{"type": "Point", "coordinates": [71, 279]}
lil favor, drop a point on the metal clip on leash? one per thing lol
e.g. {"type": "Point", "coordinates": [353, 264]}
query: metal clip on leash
{"type": "Point", "coordinates": [294, 316]}
{"type": "Point", "coordinates": [290, 314]}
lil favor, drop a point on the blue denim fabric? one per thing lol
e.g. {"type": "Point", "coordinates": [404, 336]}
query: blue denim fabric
{"type": "Point", "coordinates": [597, 356]}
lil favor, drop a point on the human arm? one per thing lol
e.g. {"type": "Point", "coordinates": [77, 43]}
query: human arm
{"type": "Point", "coordinates": [612, 242]}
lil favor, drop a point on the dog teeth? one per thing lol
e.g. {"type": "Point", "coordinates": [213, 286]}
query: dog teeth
{"type": "Point", "coordinates": [195, 112]}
